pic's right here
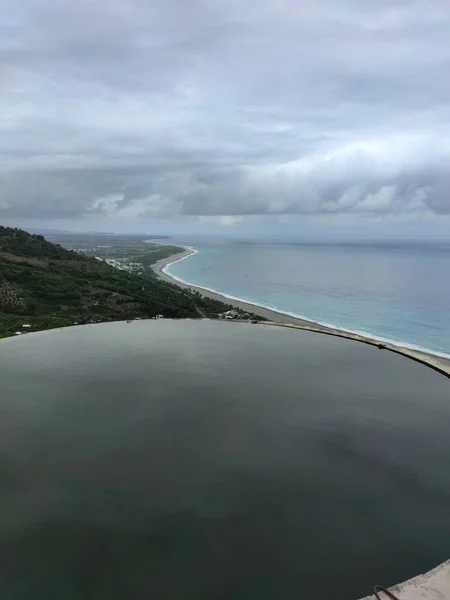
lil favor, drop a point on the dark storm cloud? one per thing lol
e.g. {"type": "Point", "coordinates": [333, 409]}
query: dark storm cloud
{"type": "Point", "coordinates": [135, 109]}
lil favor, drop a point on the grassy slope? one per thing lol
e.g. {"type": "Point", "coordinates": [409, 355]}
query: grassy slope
{"type": "Point", "coordinates": [47, 286]}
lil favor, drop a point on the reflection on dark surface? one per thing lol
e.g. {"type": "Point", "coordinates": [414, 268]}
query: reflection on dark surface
{"type": "Point", "coordinates": [212, 460]}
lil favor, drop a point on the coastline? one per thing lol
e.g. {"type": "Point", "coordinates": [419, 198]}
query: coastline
{"type": "Point", "coordinates": [275, 318]}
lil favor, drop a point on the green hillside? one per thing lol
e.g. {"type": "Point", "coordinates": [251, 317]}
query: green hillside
{"type": "Point", "coordinates": [44, 285]}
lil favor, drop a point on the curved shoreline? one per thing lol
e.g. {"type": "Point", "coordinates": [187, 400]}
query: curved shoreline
{"type": "Point", "coordinates": [440, 364]}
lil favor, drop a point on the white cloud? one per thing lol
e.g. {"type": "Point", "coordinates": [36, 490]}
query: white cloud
{"type": "Point", "coordinates": [228, 220]}
{"type": "Point", "coordinates": [140, 109]}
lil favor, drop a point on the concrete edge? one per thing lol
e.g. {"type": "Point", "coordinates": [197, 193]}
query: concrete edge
{"type": "Point", "coordinates": [433, 585]}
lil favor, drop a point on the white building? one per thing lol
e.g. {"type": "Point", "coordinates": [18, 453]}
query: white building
{"type": "Point", "coordinates": [230, 314]}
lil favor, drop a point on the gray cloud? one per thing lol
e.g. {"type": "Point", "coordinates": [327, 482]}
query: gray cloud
{"type": "Point", "coordinates": [133, 109]}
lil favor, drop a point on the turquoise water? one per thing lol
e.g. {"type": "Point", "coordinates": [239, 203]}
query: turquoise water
{"type": "Point", "coordinates": [398, 292]}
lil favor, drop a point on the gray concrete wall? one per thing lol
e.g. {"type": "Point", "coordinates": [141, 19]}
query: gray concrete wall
{"type": "Point", "coordinates": [434, 585]}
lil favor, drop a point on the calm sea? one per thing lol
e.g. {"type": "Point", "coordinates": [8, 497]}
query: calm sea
{"type": "Point", "coordinates": [199, 460]}
{"type": "Point", "coordinates": [392, 291]}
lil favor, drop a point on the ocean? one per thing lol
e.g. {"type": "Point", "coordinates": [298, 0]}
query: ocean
{"type": "Point", "coordinates": [396, 292]}
{"type": "Point", "coordinates": [202, 459]}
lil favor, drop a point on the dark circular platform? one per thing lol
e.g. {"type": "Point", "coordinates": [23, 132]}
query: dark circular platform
{"type": "Point", "coordinates": [207, 460]}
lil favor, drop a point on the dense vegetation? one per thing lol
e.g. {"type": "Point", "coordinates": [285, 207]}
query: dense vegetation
{"type": "Point", "coordinates": [44, 285]}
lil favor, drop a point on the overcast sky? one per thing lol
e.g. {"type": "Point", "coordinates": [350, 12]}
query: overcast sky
{"type": "Point", "coordinates": [225, 114]}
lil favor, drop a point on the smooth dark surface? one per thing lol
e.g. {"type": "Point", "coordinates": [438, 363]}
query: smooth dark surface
{"type": "Point", "coordinates": [214, 460]}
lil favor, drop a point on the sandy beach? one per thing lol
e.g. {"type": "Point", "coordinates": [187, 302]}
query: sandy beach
{"type": "Point", "coordinates": [440, 364]}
